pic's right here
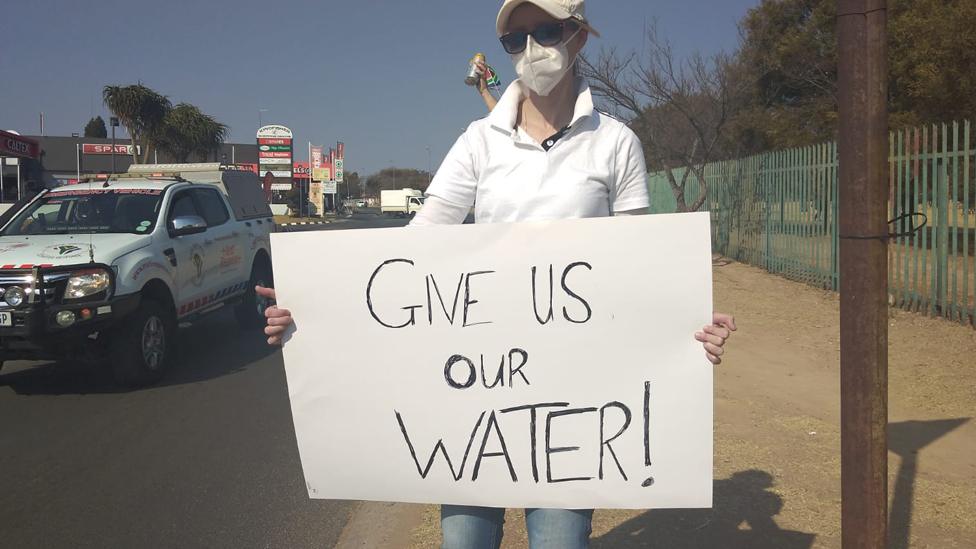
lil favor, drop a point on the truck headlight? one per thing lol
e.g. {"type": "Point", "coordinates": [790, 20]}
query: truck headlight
{"type": "Point", "coordinates": [87, 283]}
{"type": "Point", "coordinates": [14, 296]}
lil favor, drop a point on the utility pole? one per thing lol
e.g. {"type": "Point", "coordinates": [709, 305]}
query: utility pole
{"type": "Point", "coordinates": [863, 226]}
{"type": "Point", "coordinates": [114, 122]}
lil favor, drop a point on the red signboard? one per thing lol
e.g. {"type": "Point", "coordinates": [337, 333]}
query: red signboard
{"type": "Point", "coordinates": [273, 141]}
{"type": "Point", "coordinates": [273, 154]}
{"type": "Point", "coordinates": [15, 145]}
{"type": "Point", "coordinates": [244, 167]}
{"type": "Point", "coordinates": [301, 171]}
{"type": "Point", "coordinates": [316, 157]}
{"type": "Point", "coordinates": [106, 148]}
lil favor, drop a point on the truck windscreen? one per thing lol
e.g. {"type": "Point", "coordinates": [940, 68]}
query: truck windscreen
{"type": "Point", "coordinates": [86, 211]}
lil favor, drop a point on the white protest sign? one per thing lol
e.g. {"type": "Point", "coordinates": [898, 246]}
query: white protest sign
{"type": "Point", "coordinates": [512, 365]}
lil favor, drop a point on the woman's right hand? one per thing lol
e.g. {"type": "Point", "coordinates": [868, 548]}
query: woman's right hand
{"type": "Point", "coordinates": [486, 95]}
{"type": "Point", "coordinates": [278, 319]}
{"type": "Point", "coordinates": [483, 81]}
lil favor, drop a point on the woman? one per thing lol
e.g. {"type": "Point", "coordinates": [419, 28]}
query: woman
{"type": "Point", "coordinates": [543, 153]}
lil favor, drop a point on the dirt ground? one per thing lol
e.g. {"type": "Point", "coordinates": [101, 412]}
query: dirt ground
{"type": "Point", "coordinates": [777, 433]}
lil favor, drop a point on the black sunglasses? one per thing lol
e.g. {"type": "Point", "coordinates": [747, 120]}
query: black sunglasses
{"type": "Point", "coordinates": [546, 35]}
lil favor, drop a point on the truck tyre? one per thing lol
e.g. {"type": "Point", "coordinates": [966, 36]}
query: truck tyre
{"type": "Point", "coordinates": [141, 350]}
{"type": "Point", "coordinates": [250, 311]}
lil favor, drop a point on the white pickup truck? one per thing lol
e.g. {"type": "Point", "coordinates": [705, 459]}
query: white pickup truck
{"type": "Point", "coordinates": [109, 268]}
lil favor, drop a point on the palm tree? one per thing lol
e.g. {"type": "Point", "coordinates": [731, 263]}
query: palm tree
{"type": "Point", "coordinates": [141, 110]}
{"type": "Point", "coordinates": [214, 134]}
{"type": "Point", "coordinates": [187, 131]}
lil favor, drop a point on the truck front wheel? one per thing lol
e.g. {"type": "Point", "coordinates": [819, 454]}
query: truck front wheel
{"type": "Point", "coordinates": [141, 350]}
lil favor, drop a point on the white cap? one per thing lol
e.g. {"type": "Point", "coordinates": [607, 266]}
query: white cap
{"type": "Point", "coordinates": [560, 9]}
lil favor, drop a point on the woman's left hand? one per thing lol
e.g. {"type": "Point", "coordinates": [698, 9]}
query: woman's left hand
{"type": "Point", "coordinates": [714, 335]}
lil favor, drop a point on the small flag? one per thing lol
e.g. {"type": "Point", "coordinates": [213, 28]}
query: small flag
{"type": "Point", "coordinates": [493, 80]}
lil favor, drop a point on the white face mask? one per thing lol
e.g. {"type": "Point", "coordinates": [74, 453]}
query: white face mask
{"type": "Point", "coordinates": [541, 68]}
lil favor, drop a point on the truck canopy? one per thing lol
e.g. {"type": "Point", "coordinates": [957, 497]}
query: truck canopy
{"type": "Point", "coordinates": [243, 188]}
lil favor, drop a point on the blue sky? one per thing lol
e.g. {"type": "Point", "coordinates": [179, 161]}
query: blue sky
{"type": "Point", "coordinates": [385, 77]}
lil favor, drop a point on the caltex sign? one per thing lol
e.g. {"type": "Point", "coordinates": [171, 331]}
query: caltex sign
{"type": "Point", "coordinates": [12, 144]}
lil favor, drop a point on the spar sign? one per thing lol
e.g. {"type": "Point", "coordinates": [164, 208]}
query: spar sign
{"type": "Point", "coordinates": [107, 148]}
{"type": "Point", "coordinates": [276, 154]}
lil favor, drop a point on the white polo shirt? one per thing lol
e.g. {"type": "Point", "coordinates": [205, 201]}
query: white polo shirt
{"type": "Point", "coordinates": [595, 168]}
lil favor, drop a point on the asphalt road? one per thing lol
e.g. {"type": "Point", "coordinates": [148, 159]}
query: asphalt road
{"type": "Point", "coordinates": [366, 220]}
{"type": "Point", "coordinates": [207, 458]}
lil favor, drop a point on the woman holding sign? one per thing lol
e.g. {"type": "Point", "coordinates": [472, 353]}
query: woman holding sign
{"type": "Point", "coordinates": [543, 153]}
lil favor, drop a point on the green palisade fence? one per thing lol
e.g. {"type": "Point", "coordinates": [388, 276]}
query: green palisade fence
{"type": "Point", "coordinates": [778, 211]}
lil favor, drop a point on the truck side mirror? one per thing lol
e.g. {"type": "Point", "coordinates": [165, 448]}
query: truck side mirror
{"type": "Point", "coordinates": [186, 225]}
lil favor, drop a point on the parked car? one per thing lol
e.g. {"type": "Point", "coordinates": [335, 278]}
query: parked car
{"type": "Point", "coordinates": [108, 268]}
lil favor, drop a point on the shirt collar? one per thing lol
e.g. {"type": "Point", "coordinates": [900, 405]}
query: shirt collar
{"type": "Point", "coordinates": [505, 113]}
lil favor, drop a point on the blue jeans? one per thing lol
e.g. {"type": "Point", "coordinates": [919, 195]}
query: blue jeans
{"type": "Point", "coordinates": [466, 527]}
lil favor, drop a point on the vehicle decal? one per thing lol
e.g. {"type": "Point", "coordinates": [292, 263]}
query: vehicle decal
{"type": "Point", "coordinates": [229, 257]}
{"type": "Point", "coordinates": [64, 251]}
{"type": "Point", "coordinates": [197, 258]}
{"type": "Point", "coordinates": [9, 247]}
{"type": "Point", "coordinates": [149, 265]}
{"type": "Point", "coordinates": [201, 302]}
{"type": "Point", "coordinates": [26, 266]}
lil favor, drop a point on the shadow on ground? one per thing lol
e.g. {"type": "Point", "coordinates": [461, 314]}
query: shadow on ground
{"type": "Point", "coordinates": [213, 347]}
{"type": "Point", "coordinates": [743, 517]}
{"type": "Point", "coordinates": [907, 439]}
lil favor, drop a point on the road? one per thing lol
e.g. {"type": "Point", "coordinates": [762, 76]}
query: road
{"type": "Point", "coordinates": [369, 219]}
{"type": "Point", "coordinates": [207, 458]}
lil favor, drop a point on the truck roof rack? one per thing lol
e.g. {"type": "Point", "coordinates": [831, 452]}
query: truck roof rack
{"type": "Point", "coordinates": [149, 169]}
{"type": "Point", "coordinates": [172, 171]}
{"type": "Point", "coordinates": [176, 176]}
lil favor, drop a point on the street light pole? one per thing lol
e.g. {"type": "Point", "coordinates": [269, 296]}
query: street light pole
{"type": "Point", "coordinates": [260, 118]}
{"type": "Point", "coordinates": [114, 122]}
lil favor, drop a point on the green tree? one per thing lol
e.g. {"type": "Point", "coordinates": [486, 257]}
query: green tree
{"type": "Point", "coordinates": [932, 55]}
{"type": "Point", "coordinates": [789, 57]}
{"type": "Point", "coordinates": [350, 188]}
{"type": "Point", "coordinates": [789, 51]}
{"type": "Point", "coordinates": [396, 178]}
{"type": "Point", "coordinates": [96, 128]}
{"type": "Point", "coordinates": [186, 131]}
{"type": "Point", "coordinates": [141, 110]}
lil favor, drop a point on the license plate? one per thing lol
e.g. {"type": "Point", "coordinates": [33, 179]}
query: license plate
{"type": "Point", "coordinates": [6, 319]}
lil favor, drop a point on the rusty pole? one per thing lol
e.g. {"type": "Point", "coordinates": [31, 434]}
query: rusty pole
{"type": "Point", "coordinates": [863, 192]}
